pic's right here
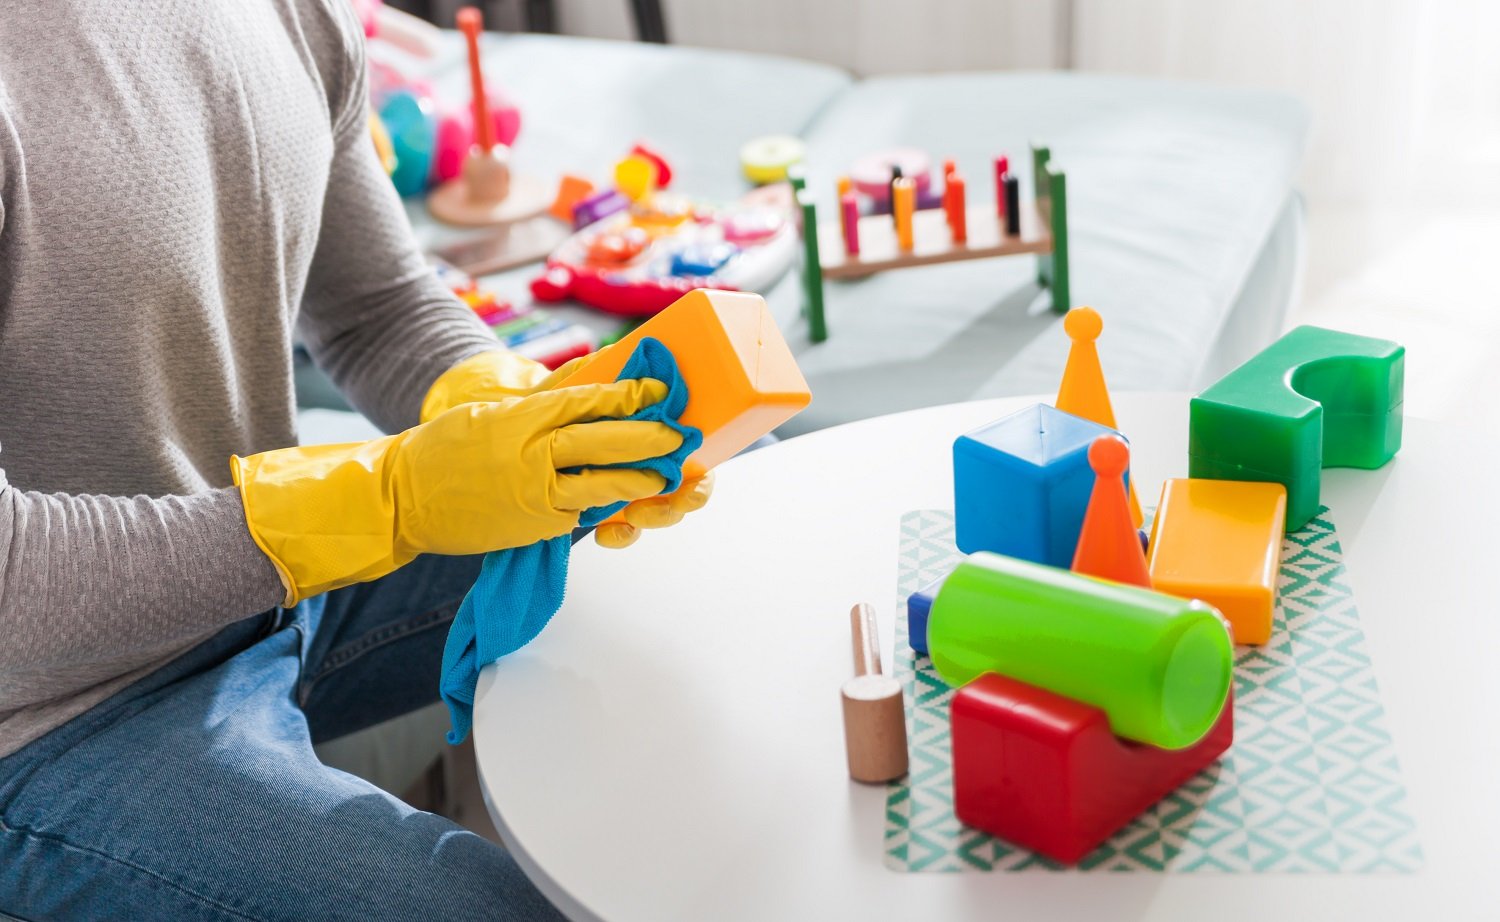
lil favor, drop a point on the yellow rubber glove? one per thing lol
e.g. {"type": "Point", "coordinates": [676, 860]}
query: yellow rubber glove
{"type": "Point", "coordinates": [489, 376]}
{"type": "Point", "coordinates": [498, 375]}
{"type": "Point", "coordinates": [655, 512]}
{"type": "Point", "coordinates": [478, 478]}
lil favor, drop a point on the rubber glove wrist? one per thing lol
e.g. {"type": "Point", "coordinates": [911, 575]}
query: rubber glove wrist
{"type": "Point", "coordinates": [478, 478]}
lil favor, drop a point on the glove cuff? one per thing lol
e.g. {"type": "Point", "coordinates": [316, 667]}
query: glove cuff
{"type": "Point", "coordinates": [325, 515]}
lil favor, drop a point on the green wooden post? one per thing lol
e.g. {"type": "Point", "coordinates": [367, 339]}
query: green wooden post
{"type": "Point", "coordinates": [1061, 290]}
{"type": "Point", "coordinates": [812, 269]}
{"type": "Point", "coordinates": [1051, 190]}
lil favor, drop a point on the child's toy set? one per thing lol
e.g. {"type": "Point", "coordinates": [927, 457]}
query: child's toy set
{"type": "Point", "coordinates": [1094, 676]}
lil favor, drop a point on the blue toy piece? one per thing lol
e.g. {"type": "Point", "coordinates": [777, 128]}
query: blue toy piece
{"type": "Point", "coordinates": [413, 128]}
{"type": "Point", "coordinates": [1021, 484]}
{"type": "Point", "coordinates": [699, 260]}
{"type": "Point", "coordinates": [918, 609]}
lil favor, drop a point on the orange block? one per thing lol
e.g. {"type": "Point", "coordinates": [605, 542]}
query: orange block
{"type": "Point", "coordinates": [1220, 541]}
{"type": "Point", "coordinates": [570, 191]}
{"type": "Point", "coordinates": [742, 379]}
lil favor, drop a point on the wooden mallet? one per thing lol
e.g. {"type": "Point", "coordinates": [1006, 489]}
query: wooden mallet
{"type": "Point", "coordinates": [874, 715]}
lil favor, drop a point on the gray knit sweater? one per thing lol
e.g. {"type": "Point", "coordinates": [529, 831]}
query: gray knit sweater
{"type": "Point", "coordinates": [183, 184]}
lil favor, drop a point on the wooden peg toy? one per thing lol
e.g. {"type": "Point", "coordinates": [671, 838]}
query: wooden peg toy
{"type": "Point", "coordinates": [1109, 547]}
{"type": "Point", "coordinates": [485, 192]}
{"type": "Point", "coordinates": [938, 229]}
{"type": "Point", "coordinates": [874, 713]}
{"type": "Point", "coordinates": [1083, 391]}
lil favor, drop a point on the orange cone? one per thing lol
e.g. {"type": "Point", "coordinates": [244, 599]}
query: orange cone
{"type": "Point", "coordinates": [1108, 545]}
{"type": "Point", "coordinates": [1083, 392]}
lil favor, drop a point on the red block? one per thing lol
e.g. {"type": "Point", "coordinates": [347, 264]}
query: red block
{"type": "Point", "coordinates": [1045, 772]}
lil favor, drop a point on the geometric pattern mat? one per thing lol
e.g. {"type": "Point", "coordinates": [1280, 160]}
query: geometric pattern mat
{"type": "Point", "coordinates": [1311, 783]}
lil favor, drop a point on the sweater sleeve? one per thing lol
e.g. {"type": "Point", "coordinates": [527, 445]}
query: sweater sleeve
{"type": "Point", "coordinates": [374, 316]}
{"type": "Point", "coordinates": [87, 581]}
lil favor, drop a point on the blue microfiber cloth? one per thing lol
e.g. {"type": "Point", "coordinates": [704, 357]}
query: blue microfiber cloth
{"type": "Point", "coordinates": [520, 589]}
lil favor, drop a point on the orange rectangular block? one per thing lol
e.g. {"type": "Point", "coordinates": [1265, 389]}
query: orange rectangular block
{"type": "Point", "coordinates": [1220, 541]}
{"type": "Point", "coordinates": [742, 379]}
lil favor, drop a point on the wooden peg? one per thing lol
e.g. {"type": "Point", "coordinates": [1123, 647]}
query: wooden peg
{"type": "Point", "coordinates": [958, 219]}
{"type": "Point", "coordinates": [1002, 169]}
{"type": "Point", "coordinates": [903, 207]}
{"type": "Point", "coordinates": [849, 221]}
{"type": "Point", "coordinates": [1012, 206]}
{"type": "Point", "coordinates": [874, 714]}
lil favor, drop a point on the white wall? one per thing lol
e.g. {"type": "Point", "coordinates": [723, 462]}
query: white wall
{"type": "Point", "coordinates": [1405, 94]}
{"type": "Point", "coordinates": [864, 36]}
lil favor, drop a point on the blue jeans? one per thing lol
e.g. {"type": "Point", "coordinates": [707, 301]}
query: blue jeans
{"type": "Point", "coordinates": [195, 793]}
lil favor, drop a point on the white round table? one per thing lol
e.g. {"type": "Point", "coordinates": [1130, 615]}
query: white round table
{"type": "Point", "coordinates": [671, 746]}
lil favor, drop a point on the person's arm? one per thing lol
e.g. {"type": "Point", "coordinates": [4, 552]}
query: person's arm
{"type": "Point", "coordinates": [374, 316]}
{"type": "Point", "coordinates": [89, 581]}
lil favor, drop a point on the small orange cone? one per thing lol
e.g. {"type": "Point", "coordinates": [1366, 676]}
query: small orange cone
{"type": "Point", "coordinates": [1108, 545]}
{"type": "Point", "coordinates": [1083, 391]}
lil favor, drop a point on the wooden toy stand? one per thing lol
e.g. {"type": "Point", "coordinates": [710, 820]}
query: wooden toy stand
{"type": "Point", "coordinates": [1043, 230]}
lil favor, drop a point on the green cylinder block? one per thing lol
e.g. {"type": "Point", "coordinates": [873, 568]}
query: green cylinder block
{"type": "Point", "coordinates": [1159, 667]}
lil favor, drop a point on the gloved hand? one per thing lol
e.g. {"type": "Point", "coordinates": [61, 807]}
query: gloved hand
{"type": "Point", "coordinates": [655, 512]}
{"type": "Point", "coordinates": [478, 478]}
{"type": "Point", "coordinates": [489, 376]}
{"type": "Point", "coordinates": [501, 374]}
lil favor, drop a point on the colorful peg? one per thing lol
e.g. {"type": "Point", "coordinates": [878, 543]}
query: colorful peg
{"type": "Point", "coordinates": [1002, 169]}
{"type": "Point", "coordinates": [1012, 206]}
{"type": "Point", "coordinates": [849, 220]}
{"type": "Point", "coordinates": [845, 186]}
{"type": "Point", "coordinates": [471, 22]}
{"type": "Point", "coordinates": [958, 220]}
{"type": "Point", "coordinates": [903, 206]}
{"type": "Point", "coordinates": [1108, 545]}
{"type": "Point", "coordinates": [890, 192]}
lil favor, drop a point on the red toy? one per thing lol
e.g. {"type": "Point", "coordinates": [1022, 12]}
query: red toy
{"type": "Point", "coordinates": [1045, 772]}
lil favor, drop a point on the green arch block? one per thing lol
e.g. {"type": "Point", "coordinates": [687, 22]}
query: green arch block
{"type": "Point", "coordinates": [1315, 398]}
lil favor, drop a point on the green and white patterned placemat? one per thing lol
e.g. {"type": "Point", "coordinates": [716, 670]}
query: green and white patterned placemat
{"type": "Point", "coordinates": [1311, 783]}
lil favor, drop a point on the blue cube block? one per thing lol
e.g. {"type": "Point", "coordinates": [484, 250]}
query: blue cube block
{"type": "Point", "coordinates": [918, 609]}
{"type": "Point", "coordinates": [1022, 484]}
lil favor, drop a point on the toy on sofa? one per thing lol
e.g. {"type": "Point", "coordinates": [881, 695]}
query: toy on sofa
{"type": "Point", "coordinates": [859, 245]}
{"type": "Point", "coordinates": [640, 248]}
{"type": "Point", "coordinates": [486, 191]}
{"type": "Point", "coordinates": [535, 333]}
{"type": "Point", "coordinates": [432, 135]}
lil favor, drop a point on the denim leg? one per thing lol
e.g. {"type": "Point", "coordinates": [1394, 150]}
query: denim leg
{"type": "Point", "coordinates": [197, 795]}
{"type": "Point", "coordinates": [374, 650]}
